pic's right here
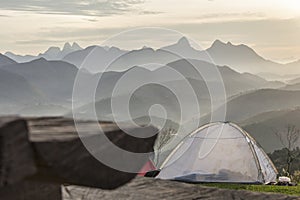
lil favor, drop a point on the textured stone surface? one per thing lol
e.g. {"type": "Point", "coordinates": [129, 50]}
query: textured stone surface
{"type": "Point", "coordinates": [31, 190]}
{"type": "Point", "coordinates": [16, 154]}
{"type": "Point", "coordinates": [152, 189]}
{"type": "Point", "coordinates": [62, 158]}
{"type": "Point", "coordinates": [34, 164]}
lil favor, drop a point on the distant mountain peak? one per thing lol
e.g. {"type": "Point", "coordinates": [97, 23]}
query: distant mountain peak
{"type": "Point", "coordinates": [75, 46]}
{"type": "Point", "coordinates": [114, 48]}
{"type": "Point", "coordinates": [51, 50]}
{"type": "Point", "coordinates": [41, 59]}
{"type": "Point", "coordinates": [218, 42]}
{"type": "Point", "coordinates": [4, 60]}
{"type": "Point", "coordinates": [183, 42]}
{"type": "Point", "coordinates": [67, 46]}
{"type": "Point", "coordinates": [1, 55]}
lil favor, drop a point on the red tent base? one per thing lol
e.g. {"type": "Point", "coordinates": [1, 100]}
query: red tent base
{"type": "Point", "coordinates": [149, 166]}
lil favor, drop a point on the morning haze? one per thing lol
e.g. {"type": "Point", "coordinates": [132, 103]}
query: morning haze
{"type": "Point", "coordinates": [94, 93]}
{"type": "Point", "coordinates": [272, 31]}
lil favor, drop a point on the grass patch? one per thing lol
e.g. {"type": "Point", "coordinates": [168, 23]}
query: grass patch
{"type": "Point", "coordinates": [289, 190]}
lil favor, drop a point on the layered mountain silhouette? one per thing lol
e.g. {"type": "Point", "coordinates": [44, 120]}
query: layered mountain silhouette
{"type": "Point", "coordinates": [264, 126]}
{"type": "Point", "coordinates": [253, 103]}
{"type": "Point", "coordinates": [191, 83]}
{"type": "Point", "coordinates": [95, 58]}
{"type": "Point", "coordinates": [16, 92]}
{"type": "Point", "coordinates": [184, 50]}
{"type": "Point", "coordinates": [99, 59]}
{"type": "Point", "coordinates": [239, 57]}
{"type": "Point", "coordinates": [294, 81]}
{"type": "Point", "coordinates": [178, 77]}
{"type": "Point", "coordinates": [278, 77]}
{"type": "Point", "coordinates": [4, 60]}
{"type": "Point", "coordinates": [53, 79]}
{"type": "Point", "coordinates": [53, 53]}
{"type": "Point", "coordinates": [295, 86]}
{"type": "Point", "coordinates": [293, 65]}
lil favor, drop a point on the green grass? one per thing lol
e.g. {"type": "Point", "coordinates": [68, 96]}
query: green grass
{"type": "Point", "coordinates": [289, 190]}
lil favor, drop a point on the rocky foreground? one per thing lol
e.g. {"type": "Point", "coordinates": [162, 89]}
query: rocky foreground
{"type": "Point", "coordinates": [39, 155]}
{"type": "Point", "coordinates": [152, 189]}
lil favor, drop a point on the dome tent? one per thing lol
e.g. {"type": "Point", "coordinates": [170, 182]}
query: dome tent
{"type": "Point", "coordinates": [218, 152]}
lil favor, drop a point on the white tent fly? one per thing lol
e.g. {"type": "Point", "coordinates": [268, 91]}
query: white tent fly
{"type": "Point", "coordinates": [219, 152]}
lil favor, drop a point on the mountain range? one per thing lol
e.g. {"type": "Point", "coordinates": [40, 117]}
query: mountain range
{"type": "Point", "coordinates": [240, 57]}
{"type": "Point", "coordinates": [53, 53]}
{"type": "Point", "coordinates": [148, 93]}
{"type": "Point", "coordinates": [16, 92]}
{"type": "Point", "coordinates": [37, 85]}
{"type": "Point", "coordinates": [4, 60]}
{"type": "Point", "coordinates": [263, 127]}
{"type": "Point", "coordinates": [53, 79]}
{"type": "Point", "coordinates": [168, 76]}
{"type": "Point", "coordinates": [264, 100]}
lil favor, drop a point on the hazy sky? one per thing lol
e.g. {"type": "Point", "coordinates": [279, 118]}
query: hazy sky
{"type": "Point", "coordinates": [272, 27]}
